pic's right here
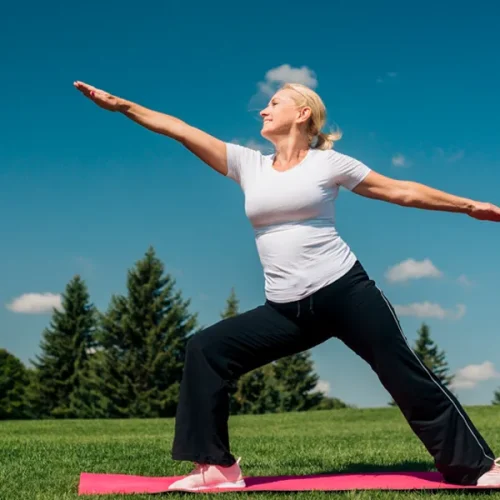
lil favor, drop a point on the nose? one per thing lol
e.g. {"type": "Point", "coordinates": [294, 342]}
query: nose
{"type": "Point", "coordinates": [264, 113]}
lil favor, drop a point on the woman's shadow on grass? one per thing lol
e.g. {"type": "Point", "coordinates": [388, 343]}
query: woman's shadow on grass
{"type": "Point", "coordinates": [412, 469]}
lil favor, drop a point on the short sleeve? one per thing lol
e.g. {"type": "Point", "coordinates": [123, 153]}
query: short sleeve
{"type": "Point", "coordinates": [347, 171]}
{"type": "Point", "coordinates": [240, 160]}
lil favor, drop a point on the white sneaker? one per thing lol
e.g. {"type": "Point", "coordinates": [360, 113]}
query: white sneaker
{"type": "Point", "coordinates": [492, 477]}
{"type": "Point", "coordinates": [206, 476]}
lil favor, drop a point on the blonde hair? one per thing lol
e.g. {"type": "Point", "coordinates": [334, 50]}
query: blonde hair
{"type": "Point", "coordinates": [307, 97]}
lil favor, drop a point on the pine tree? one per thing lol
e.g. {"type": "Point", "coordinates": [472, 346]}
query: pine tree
{"type": "Point", "coordinates": [143, 343]}
{"type": "Point", "coordinates": [232, 310]}
{"type": "Point", "coordinates": [296, 381]}
{"type": "Point", "coordinates": [254, 392]}
{"type": "Point", "coordinates": [14, 381]}
{"type": "Point", "coordinates": [496, 397]}
{"type": "Point", "coordinates": [328, 403]}
{"type": "Point", "coordinates": [110, 363]}
{"type": "Point", "coordinates": [87, 400]}
{"type": "Point", "coordinates": [257, 392]}
{"type": "Point", "coordinates": [427, 350]}
{"type": "Point", "coordinates": [64, 353]}
{"type": "Point", "coordinates": [435, 360]}
{"type": "Point", "coordinates": [232, 306]}
{"type": "Point", "coordinates": [31, 394]}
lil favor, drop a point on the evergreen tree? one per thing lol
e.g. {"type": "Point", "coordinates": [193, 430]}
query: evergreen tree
{"type": "Point", "coordinates": [255, 391]}
{"type": "Point", "coordinates": [88, 400]}
{"type": "Point", "coordinates": [111, 363]}
{"type": "Point", "coordinates": [328, 403]}
{"type": "Point", "coordinates": [232, 306]}
{"type": "Point", "coordinates": [143, 343]}
{"type": "Point", "coordinates": [296, 381]}
{"type": "Point", "coordinates": [232, 310]}
{"type": "Point", "coordinates": [31, 394]}
{"type": "Point", "coordinates": [496, 397]}
{"type": "Point", "coordinates": [435, 360]}
{"type": "Point", "coordinates": [14, 380]}
{"type": "Point", "coordinates": [427, 350]}
{"type": "Point", "coordinates": [64, 353]}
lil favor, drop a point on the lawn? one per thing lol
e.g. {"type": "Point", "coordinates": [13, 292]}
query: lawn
{"type": "Point", "coordinates": [43, 460]}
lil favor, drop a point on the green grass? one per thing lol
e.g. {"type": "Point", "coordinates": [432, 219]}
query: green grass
{"type": "Point", "coordinates": [43, 460]}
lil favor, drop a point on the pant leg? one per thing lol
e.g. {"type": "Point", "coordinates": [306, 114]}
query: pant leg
{"type": "Point", "coordinates": [219, 355]}
{"type": "Point", "coordinates": [370, 328]}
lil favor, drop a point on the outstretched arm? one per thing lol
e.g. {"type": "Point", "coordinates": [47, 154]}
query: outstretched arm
{"type": "Point", "coordinates": [413, 194]}
{"type": "Point", "coordinates": [209, 149]}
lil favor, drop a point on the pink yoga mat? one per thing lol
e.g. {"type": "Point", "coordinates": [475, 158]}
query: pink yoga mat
{"type": "Point", "coordinates": [121, 483]}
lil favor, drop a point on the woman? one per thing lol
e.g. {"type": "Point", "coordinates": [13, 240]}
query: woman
{"type": "Point", "coordinates": [315, 288]}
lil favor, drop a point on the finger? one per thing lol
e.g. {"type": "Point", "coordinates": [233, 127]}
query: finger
{"type": "Point", "coordinates": [494, 214]}
{"type": "Point", "coordinates": [81, 86]}
{"type": "Point", "coordinates": [98, 95]}
{"type": "Point", "coordinates": [495, 211]}
{"type": "Point", "coordinates": [92, 93]}
{"type": "Point", "coordinates": [85, 88]}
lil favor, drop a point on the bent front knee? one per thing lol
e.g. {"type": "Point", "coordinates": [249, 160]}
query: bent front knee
{"type": "Point", "coordinates": [202, 347]}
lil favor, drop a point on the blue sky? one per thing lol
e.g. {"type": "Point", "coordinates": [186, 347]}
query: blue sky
{"type": "Point", "coordinates": [414, 90]}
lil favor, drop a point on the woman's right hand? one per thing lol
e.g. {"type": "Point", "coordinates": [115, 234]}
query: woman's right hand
{"type": "Point", "coordinates": [209, 149]}
{"type": "Point", "coordinates": [100, 97]}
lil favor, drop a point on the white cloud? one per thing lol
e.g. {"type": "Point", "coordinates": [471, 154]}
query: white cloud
{"type": "Point", "coordinates": [464, 281]}
{"type": "Point", "coordinates": [469, 376]}
{"type": "Point", "coordinates": [390, 74]}
{"type": "Point", "coordinates": [93, 350]}
{"type": "Point", "coordinates": [253, 144]}
{"type": "Point", "coordinates": [287, 74]}
{"type": "Point", "coordinates": [430, 310]}
{"type": "Point", "coordinates": [412, 269]}
{"type": "Point", "coordinates": [449, 156]}
{"type": "Point", "coordinates": [35, 303]}
{"type": "Point", "coordinates": [398, 160]}
{"type": "Point", "coordinates": [276, 77]}
{"type": "Point", "coordinates": [461, 310]}
{"type": "Point", "coordinates": [456, 156]}
{"type": "Point", "coordinates": [323, 386]}
{"type": "Point", "coordinates": [258, 146]}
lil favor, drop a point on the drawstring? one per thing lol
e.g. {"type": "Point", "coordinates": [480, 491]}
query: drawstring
{"type": "Point", "coordinates": [310, 306]}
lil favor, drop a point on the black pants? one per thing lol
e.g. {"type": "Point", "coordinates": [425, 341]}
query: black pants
{"type": "Point", "coordinates": [354, 310]}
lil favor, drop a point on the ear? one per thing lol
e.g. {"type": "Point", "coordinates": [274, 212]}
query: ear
{"type": "Point", "coordinates": [304, 114]}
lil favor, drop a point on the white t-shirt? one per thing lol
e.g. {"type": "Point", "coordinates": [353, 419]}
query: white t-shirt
{"type": "Point", "coordinates": [293, 216]}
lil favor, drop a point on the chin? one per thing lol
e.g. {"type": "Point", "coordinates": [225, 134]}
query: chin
{"type": "Point", "coordinates": [266, 133]}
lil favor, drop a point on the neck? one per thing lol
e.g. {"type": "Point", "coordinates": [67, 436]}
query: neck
{"type": "Point", "coordinates": [290, 150]}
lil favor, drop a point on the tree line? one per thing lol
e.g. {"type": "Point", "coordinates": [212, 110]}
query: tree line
{"type": "Point", "coordinates": [127, 362]}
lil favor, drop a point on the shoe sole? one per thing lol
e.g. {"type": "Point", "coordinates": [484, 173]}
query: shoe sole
{"type": "Point", "coordinates": [221, 486]}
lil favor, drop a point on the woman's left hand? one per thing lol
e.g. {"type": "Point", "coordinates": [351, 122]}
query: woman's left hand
{"type": "Point", "coordinates": [485, 211]}
{"type": "Point", "coordinates": [103, 99]}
